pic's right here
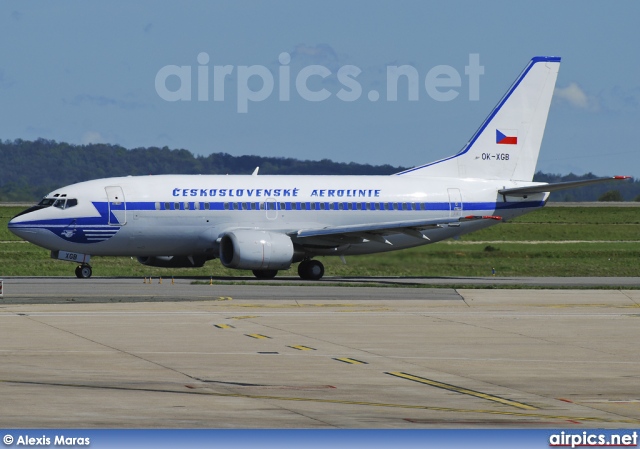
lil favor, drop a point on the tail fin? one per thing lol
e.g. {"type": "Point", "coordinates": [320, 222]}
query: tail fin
{"type": "Point", "coordinates": [507, 144]}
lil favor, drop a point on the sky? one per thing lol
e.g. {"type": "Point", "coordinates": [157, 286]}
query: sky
{"type": "Point", "coordinates": [309, 80]}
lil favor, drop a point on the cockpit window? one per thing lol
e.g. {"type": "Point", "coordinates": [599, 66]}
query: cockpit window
{"type": "Point", "coordinates": [62, 202]}
{"type": "Point", "coordinates": [57, 200]}
{"type": "Point", "coordinates": [46, 202]}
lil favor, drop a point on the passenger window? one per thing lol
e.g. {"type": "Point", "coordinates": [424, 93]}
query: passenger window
{"type": "Point", "coordinates": [176, 206]}
{"type": "Point", "coordinates": [207, 206]}
{"type": "Point", "coordinates": [196, 206]}
{"type": "Point", "coordinates": [226, 206]}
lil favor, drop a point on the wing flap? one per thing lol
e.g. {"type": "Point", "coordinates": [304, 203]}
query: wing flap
{"type": "Point", "coordinates": [376, 232]}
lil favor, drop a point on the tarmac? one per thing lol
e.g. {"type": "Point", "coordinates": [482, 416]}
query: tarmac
{"type": "Point", "coordinates": [120, 353]}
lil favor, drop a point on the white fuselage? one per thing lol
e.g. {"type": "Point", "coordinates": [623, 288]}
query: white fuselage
{"type": "Point", "coordinates": [186, 214]}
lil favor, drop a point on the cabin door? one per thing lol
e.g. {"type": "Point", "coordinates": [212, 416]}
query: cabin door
{"type": "Point", "coordinates": [116, 206]}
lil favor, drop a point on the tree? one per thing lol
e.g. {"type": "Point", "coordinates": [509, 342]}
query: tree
{"type": "Point", "coordinates": [611, 195]}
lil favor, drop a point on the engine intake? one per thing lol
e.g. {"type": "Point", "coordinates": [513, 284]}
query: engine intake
{"type": "Point", "coordinates": [256, 250]}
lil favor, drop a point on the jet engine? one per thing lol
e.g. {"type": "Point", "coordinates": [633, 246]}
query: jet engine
{"type": "Point", "coordinates": [173, 261]}
{"type": "Point", "coordinates": [256, 250]}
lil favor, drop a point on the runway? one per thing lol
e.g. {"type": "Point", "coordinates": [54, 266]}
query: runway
{"type": "Point", "coordinates": [118, 353]}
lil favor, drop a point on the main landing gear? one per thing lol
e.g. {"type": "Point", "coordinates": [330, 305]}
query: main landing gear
{"type": "Point", "coordinates": [311, 270]}
{"type": "Point", "coordinates": [83, 271]}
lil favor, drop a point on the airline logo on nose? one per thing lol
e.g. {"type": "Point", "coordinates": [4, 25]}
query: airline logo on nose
{"type": "Point", "coordinates": [510, 138]}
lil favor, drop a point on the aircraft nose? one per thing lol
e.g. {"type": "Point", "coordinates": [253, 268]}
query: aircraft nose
{"type": "Point", "coordinates": [16, 226]}
{"type": "Point", "coordinates": [22, 226]}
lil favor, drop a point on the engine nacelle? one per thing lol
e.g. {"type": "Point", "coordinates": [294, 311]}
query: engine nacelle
{"type": "Point", "coordinates": [173, 261]}
{"type": "Point", "coordinates": [256, 250]}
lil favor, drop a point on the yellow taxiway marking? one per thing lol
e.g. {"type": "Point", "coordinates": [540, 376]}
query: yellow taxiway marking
{"type": "Point", "coordinates": [258, 336]}
{"type": "Point", "coordinates": [335, 401]}
{"type": "Point", "coordinates": [461, 390]}
{"type": "Point", "coordinates": [302, 348]}
{"type": "Point", "coordinates": [351, 361]}
{"type": "Point", "coordinates": [223, 326]}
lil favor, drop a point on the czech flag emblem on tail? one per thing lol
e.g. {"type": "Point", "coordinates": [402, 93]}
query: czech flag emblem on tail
{"type": "Point", "coordinates": [503, 139]}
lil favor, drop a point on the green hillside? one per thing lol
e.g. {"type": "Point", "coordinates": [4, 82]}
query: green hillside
{"type": "Point", "coordinates": [31, 169]}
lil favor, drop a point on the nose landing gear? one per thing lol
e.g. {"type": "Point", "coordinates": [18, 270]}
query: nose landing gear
{"type": "Point", "coordinates": [83, 271]}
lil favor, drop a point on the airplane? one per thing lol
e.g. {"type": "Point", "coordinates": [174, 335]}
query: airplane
{"type": "Point", "coordinates": [267, 223]}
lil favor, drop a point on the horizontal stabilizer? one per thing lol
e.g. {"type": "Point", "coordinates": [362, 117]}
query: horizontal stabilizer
{"type": "Point", "coordinates": [543, 188]}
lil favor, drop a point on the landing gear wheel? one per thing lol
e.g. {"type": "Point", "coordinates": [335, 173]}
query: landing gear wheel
{"type": "Point", "coordinates": [83, 271]}
{"type": "Point", "coordinates": [311, 270]}
{"type": "Point", "coordinates": [265, 274]}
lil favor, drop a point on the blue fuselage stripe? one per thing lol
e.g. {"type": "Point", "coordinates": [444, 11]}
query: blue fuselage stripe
{"type": "Point", "coordinates": [101, 225]}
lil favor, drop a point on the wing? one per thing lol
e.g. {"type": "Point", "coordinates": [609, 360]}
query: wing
{"type": "Point", "coordinates": [337, 235]}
